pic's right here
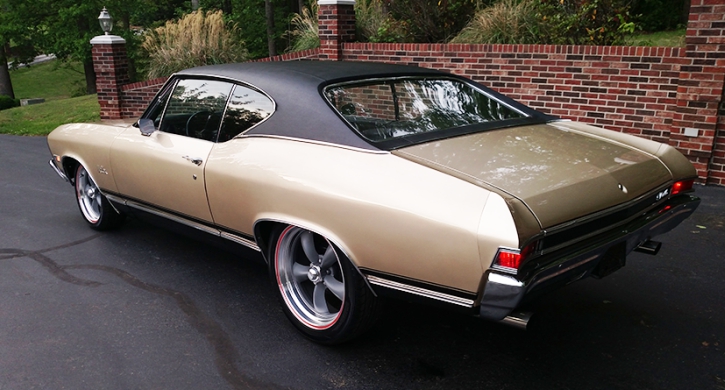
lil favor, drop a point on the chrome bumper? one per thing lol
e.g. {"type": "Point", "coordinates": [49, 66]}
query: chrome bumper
{"type": "Point", "coordinates": [502, 293]}
{"type": "Point", "coordinates": [57, 170]}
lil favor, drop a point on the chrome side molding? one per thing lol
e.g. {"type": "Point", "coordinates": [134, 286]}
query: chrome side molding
{"type": "Point", "coordinates": [420, 291]}
{"type": "Point", "coordinates": [187, 222]}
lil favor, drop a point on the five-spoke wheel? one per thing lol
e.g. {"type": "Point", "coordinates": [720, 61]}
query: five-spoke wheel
{"type": "Point", "coordinates": [323, 294]}
{"type": "Point", "coordinates": [93, 205]}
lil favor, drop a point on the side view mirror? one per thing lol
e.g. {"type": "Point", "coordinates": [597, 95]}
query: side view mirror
{"type": "Point", "coordinates": [146, 126]}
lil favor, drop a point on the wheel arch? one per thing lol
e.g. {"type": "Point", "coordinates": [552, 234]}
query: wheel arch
{"type": "Point", "coordinates": [70, 164]}
{"type": "Point", "coordinates": [264, 228]}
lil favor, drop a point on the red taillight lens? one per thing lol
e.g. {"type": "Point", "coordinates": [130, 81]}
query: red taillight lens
{"type": "Point", "coordinates": [509, 259]}
{"type": "Point", "coordinates": [512, 258]}
{"type": "Point", "coordinates": [682, 186]}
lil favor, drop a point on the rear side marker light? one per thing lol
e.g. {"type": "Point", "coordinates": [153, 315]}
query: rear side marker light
{"type": "Point", "coordinates": [682, 186]}
{"type": "Point", "coordinates": [512, 258]}
{"type": "Point", "coordinates": [509, 259]}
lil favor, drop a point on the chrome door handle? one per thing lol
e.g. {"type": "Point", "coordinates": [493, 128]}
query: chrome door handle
{"type": "Point", "coordinates": [195, 160]}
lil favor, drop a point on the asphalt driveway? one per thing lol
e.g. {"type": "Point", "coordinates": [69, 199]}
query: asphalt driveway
{"type": "Point", "coordinates": [144, 308]}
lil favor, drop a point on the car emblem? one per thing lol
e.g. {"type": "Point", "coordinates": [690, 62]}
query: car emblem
{"type": "Point", "coordinates": [662, 194]}
{"type": "Point", "coordinates": [622, 188]}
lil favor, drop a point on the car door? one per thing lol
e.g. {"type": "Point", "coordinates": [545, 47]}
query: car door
{"type": "Point", "coordinates": [165, 169]}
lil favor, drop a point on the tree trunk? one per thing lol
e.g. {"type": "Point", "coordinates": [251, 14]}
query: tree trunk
{"type": "Point", "coordinates": [269, 11]}
{"type": "Point", "coordinates": [685, 13]}
{"type": "Point", "coordinates": [227, 7]}
{"type": "Point", "coordinates": [301, 6]}
{"type": "Point", "coordinates": [194, 5]}
{"type": "Point", "coordinates": [6, 85]}
{"type": "Point", "coordinates": [90, 74]}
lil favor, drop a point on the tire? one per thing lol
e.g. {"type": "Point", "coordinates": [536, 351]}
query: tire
{"type": "Point", "coordinates": [322, 294]}
{"type": "Point", "coordinates": [94, 206]}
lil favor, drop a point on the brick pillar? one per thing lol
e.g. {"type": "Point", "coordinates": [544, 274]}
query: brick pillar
{"type": "Point", "coordinates": [110, 63]}
{"type": "Point", "coordinates": [700, 87]}
{"type": "Point", "coordinates": [336, 21]}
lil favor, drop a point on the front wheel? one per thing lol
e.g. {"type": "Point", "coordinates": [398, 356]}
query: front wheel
{"type": "Point", "coordinates": [323, 294]}
{"type": "Point", "coordinates": [95, 208]}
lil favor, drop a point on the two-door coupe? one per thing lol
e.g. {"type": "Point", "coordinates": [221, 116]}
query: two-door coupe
{"type": "Point", "coordinates": [361, 180]}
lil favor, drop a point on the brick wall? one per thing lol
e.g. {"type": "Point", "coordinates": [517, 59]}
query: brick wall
{"type": "Point", "coordinates": [135, 97]}
{"type": "Point", "coordinates": [627, 89]}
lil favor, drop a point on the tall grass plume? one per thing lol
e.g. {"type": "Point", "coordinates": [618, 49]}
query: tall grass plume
{"type": "Point", "coordinates": [198, 38]}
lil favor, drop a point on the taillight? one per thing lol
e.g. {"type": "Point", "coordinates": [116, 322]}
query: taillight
{"type": "Point", "coordinates": [682, 186]}
{"type": "Point", "coordinates": [508, 258]}
{"type": "Point", "coordinates": [512, 258]}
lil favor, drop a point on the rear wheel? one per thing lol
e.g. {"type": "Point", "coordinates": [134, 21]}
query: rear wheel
{"type": "Point", "coordinates": [323, 294]}
{"type": "Point", "coordinates": [95, 208]}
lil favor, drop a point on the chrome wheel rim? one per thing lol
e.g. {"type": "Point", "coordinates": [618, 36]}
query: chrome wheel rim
{"type": "Point", "coordinates": [310, 277]}
{"type": "Point", "coordinates": [89, 196]}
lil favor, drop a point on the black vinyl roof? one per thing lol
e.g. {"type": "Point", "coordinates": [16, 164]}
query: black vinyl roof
{"type": "Point", "coordinates": [296, 87]}
{"type": "Point", "coordinates": [302, 112]}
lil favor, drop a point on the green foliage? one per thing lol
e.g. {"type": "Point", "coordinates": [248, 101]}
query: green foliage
{"type": "Point", "coordinates": [433, 20]}
{"type": "Point", "coordinates": [304, 34]}
{"type": "Point", "coordinates": [250, 17]}
{"type": "Point", "coordinates": [51, 80]}
{"type": "Point", "coordinates": [375, 24]}
{"type": "Point", "coordinates": [199, 38]}
{"type": "Point", "coordinates": [508, 21]}
{"type": "Point", "coordinates": [660, 15]}
{"type": "Point", "coordinates": [41, 119]}
{"type": "Point", "coordinates": [8, 102]}
{"type": "Point", "coordinates": [585, 22]}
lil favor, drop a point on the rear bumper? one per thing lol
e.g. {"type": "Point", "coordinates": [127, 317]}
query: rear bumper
{"type": "Point", "coordinates": [502, 293]}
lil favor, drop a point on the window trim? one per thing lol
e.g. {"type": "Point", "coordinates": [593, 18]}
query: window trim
{"type": "Point", "coordinates": [529, 115]}
{"type": "Point", "coordinates": [173, 81]}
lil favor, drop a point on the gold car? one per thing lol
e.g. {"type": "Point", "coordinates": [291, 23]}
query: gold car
{"type": "Point", "coordinates": [357, 181]}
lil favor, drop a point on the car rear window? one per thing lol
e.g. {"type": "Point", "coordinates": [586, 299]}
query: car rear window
{"type": "Point", "coordinates": [386, 109]}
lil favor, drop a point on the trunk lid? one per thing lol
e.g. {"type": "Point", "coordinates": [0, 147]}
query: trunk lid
{"type": "Point", "coordinates": [558, 173]}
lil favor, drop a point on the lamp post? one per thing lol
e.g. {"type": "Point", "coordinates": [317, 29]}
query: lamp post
{"type": "Point", "coordinates": [106, 21]}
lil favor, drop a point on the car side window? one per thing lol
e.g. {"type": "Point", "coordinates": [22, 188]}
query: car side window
{"type": "Point", "coordinates": [195, 108]}
{"type": "Point", "coordinates": [156, 108]}
{"type": "Point", "coordinates": [247, 107]}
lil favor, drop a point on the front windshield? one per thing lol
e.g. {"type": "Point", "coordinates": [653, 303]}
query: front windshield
{"type": "Point", "coordinates": [385, 109]}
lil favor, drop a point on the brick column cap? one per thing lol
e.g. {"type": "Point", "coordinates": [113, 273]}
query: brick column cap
{"type": "Point", "coordinates": [336, 2]}
{"type": "Point", "coordinates": [107, 40]}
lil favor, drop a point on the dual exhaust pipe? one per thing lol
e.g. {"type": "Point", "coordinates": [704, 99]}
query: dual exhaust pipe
{"type": "Point", "coordinates": [520, 319]}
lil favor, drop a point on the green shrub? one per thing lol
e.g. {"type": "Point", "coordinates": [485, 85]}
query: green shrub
{"type": "Point", "coordinates": [304, 34]}
{"type": "Point", "coordinates": [585, 22]}
{"type": "Point", "coordinates": [374, 23]}
{"type": "Point", "coordinates": [197, 39]}
{"type": "Point", "coordinates": [8, 102]}
{"type": "Point", "coordinates": [433, 20]}
{"type": "Point", "coordinates": [660, 15]}
{"type": "Point", "coordinates": [508, 22]}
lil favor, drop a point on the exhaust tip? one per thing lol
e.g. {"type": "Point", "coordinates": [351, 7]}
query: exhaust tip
{"type": "Point", "coordinates": [519, 320]}
{"type": "Point", "coordinates": [649, 247]}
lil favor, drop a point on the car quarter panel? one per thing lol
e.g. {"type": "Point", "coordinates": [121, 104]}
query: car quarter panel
{"type": "Point", "coordinates": [559, 173]}
{"type": "Point", "coordinates": [90, 145]}
{"type": "Point", "coordinates": [386, 213]}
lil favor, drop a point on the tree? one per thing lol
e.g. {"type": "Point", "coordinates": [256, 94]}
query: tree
{"type": "Point", "coordinates": [13, 28]}
{"type": "Point", "coordinates": [269, 13]}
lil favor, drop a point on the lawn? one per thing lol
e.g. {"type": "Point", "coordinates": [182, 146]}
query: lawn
{"type": "Point", "coordinates": [672, 38]}
{"type": "Point", "coordinates": [41, 119]}
{"type": "Point", "coordinates": [51, 80]}
{"type": "Point", "coordinates": [56, 83]}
